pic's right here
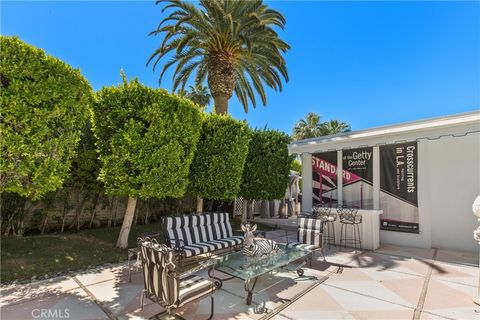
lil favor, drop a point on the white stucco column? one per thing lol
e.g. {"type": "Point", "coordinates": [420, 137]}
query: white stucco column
{"type": "Point", "coordinates": [376, 178]}
{"type": "Point", "coordinates": [307, 196]}
{"type": "Point", "coordinates": [340, 177]}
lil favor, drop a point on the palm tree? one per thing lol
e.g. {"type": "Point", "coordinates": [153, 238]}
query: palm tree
{"type": "Point", "coordinates": [230, 44]}
{"type": "Point", "coordinates": [199, 94]}
{"type": "Point", "coordinates": [334, 127]}
{"type": "Point", "coordinates": [310, 127]}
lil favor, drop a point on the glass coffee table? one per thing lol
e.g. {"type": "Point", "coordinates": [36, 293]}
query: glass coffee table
{"type": "Point", "coordinates": [236, 265]}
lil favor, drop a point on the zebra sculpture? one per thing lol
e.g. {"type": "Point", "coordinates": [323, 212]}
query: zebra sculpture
{"type": "Point", "coordinates": [256, 247]}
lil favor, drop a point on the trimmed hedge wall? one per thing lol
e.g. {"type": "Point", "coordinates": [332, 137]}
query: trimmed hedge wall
{"type": "Point", "coordinates": [267, 168]}
{"type": "Point", "coordinates": [217, 168]}
{"type": "Point", "coordinates": [146, 140]}
{"type": "Point", "coordinates": [44, 110]}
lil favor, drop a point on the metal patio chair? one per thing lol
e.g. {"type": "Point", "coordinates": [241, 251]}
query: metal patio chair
{"type": "Point", "coordinates": [349, 218]}
{"type": "Point", "coordinates": [324, 212]}
{"type": "Point", "coordinates": [163, 283]}
{"type": "Point", "coordinates": [310, 234]}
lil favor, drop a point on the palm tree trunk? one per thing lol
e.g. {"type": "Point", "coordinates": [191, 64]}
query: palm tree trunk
{"type": "Point", "coordinates": [221, 104]}
{"type": "Point", "coordinates": [122, 241]}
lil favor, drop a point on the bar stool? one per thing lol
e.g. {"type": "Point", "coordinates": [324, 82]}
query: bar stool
{"type": "Point", "coordinates": [328, 218]}
{"type": "Point", "coordinates": [348, 217]}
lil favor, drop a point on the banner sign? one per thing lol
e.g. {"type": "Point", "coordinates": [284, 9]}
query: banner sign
{"type": "Point", "coordinates": [358, 177]}
{"type": "Point", "coordinates": [398, 187]}
{"type": "Point", "coordinates": [324, 176]}
{"type": "Point", "coordinates": [358, 164]}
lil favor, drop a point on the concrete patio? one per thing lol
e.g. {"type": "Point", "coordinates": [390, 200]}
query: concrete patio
{"type": "Point", "coordinates": [391, 283]}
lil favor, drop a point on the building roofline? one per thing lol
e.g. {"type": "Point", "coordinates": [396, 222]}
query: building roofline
{"type": "Point", "coordinates": [399, 128]}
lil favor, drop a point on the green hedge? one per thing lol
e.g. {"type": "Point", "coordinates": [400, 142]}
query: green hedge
{"type": "Point", "coordinates": [146, 140]}
{"type": "Point", "coordinates": [44, 109]}
{"type": "Point", "coordinates": [216, 171]}
{"type": "Point", "coordinates": [266, 173]}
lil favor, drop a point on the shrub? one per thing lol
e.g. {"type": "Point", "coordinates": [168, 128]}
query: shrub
{"type": "Point", "coordinates": [44, 109]}
{"type": "Point", "coordinates": [216, 171]}
{"type": "Point", "coordinates": [146, 143]}
{"type": "Point", "coordinates": [296, 166]}
{"type": "Point", "coordinates": [267, 168]}
{"type": "Point", "coordinates": [146, 140]}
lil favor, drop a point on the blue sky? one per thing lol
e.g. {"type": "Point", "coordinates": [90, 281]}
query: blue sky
{"type": "Point", "coordinates": [366, 63]}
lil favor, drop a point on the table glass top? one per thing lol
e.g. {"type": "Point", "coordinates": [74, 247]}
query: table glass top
{"type": "Point", "coordinates": [243, 267]}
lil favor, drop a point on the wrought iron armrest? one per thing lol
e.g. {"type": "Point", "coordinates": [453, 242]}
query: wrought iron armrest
{"type": "Point", "coordinates": [147, 236]}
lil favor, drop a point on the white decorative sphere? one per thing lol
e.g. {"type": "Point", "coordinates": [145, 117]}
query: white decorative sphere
{"type": "Point", "coordinates": [476, 207]}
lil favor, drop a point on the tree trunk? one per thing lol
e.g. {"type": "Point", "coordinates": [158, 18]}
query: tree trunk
{"type": "Point", "coordinates": [199, 205]}
{"type": "Point", "coordinates": [94, 208]}
{"type": "Point", "coordinates": [147, 213]}
{"type": "Point", "coordinates": [209, 206]}
{"type": "Point", "coordinates": [122, 241]}
{"type": "Point", "coordinates": [249, 210]}
{"type": "Point", "coordinates": [44, 224]}
{"type": "Point", "coordinates": [79, 211]}
{"type": "Point", "coordinates": [135, 215]}
{"type": "Point", "coordinates": [64, 210]}
{"type": "Point", "coordinates": [221, 104]}
{"type": "Point", "coordinates": [117, 201]}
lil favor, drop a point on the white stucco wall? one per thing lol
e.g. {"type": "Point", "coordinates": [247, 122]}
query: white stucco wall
{"type": "Point", "coordinates": [454, 182]}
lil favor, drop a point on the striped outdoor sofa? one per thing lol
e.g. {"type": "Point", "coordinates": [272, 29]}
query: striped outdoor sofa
{"type": "Point", "coordinates": [196, 234]}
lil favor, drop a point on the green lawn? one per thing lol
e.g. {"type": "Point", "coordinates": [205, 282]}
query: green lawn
{"type": "Point", "coordinates": [25, 257]}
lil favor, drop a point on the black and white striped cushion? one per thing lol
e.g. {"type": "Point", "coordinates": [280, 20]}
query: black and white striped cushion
{"type": "Point", "coordinates": [309, 236]}
{"type": "Point", "coordinates": [218, 226]}
{"type": "Point", "coordinates": [196, 233]}
{"type": "Point", "coordinates": [178, 228]}
{"type": "Point", "coordinates": [310, 231]}
{"type": "Point", "coordinates": [310, 223]}
{"type": "Point", "coordinates": [161, 283]}
{"type": "Point", "coordinates": [157, 262]}
{"type": "Point", "coordinates": [209, 246]}
{"type": "Point", "coordinates": [193, 287]}
{"type": "Point", "coordinates": [201, 233]}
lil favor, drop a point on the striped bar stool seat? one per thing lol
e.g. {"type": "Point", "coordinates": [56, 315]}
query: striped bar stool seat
{"type": "Point", "coordinates": [164, 285]}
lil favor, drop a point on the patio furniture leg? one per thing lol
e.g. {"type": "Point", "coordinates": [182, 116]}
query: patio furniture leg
{"type": "Point", "coordinates": [328, 234]}
{"type": "Point", "coordinates": [130, 254]}
{"type": "Point", "coordinates": [211, 307]}
{"type": "Point", "coordinates": [249, 288]}
{"type": "Point", "coordinates": [333, 233]}
{"type": "Point", "coordinates": [216, 280]}
{"type": "Point", "coordinates": [341, 236]}
{"type": "Point", "coordinates": [129, 271]}
{"type": "Point", "coordinates": [359, 238]}
{"type": "Point", "coordinates": [354, 238]}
